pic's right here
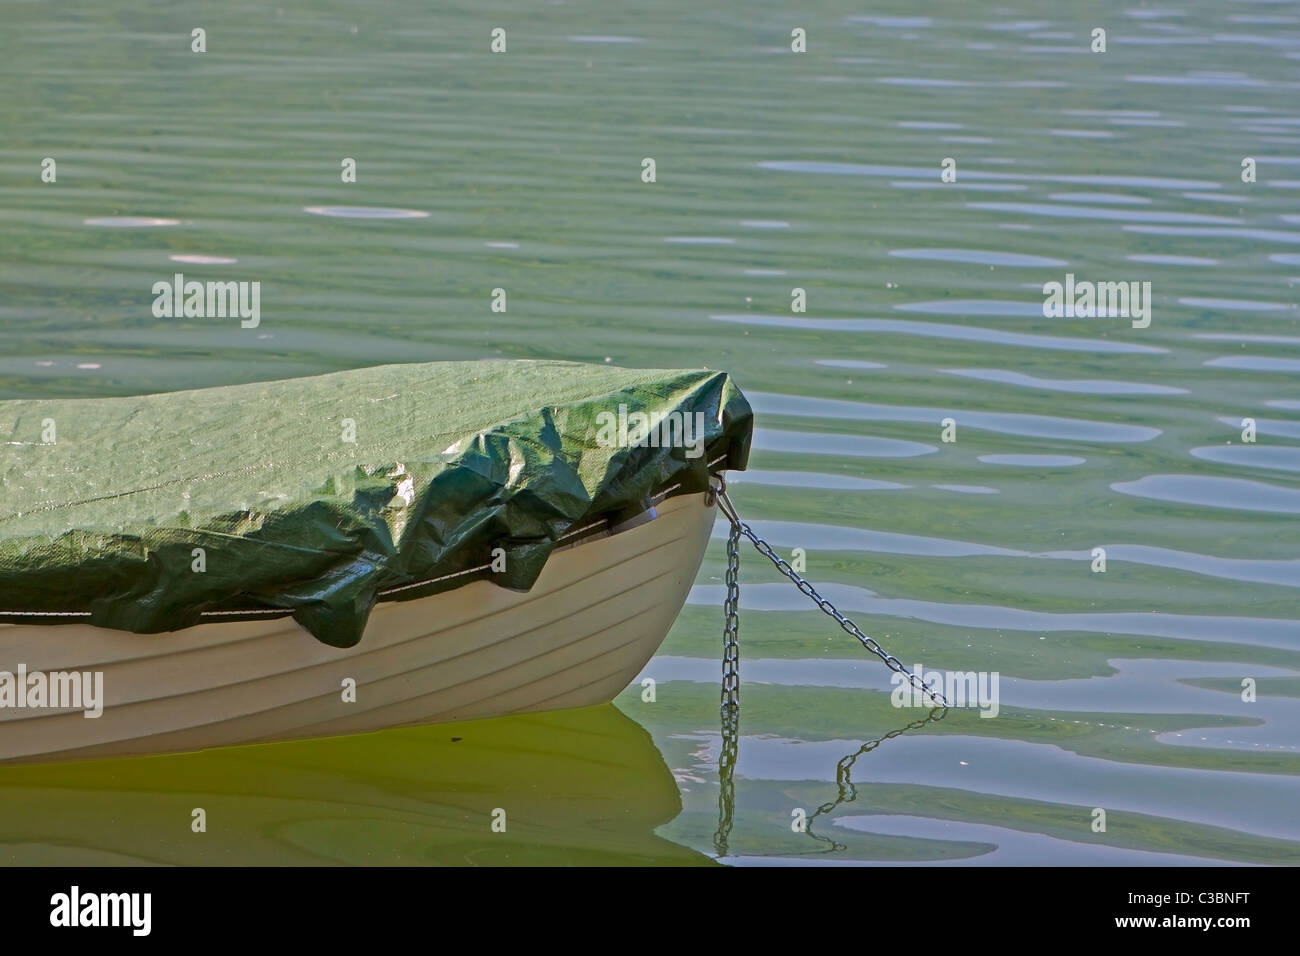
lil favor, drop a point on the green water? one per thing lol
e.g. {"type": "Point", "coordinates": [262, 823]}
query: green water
{"type": "Point", "coordinates": [775, 170]}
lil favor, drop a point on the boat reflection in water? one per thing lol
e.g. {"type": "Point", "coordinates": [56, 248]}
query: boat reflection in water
{"type": "Point", "coordinates": [584, 786]}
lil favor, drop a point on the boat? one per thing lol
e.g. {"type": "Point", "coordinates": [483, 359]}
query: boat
{"type": "Point", "coordinates": [347, 553]}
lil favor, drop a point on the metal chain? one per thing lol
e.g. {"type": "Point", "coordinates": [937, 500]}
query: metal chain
{"type": "Point", "coordinates": [727, 776]}
{"type": "Point", "coordinates": [739, 527]}
{"type": "Point", "coordinates": [730, 695]}
{"type": "Point", "coordinates": [729, 750]}
{"type": "Point", "coordinates": [731, 628]}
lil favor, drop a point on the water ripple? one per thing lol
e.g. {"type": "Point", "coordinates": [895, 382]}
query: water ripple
{"type": "Point", "coordinates": [850, 363]}
{"type": "Point", "coordinates": [130, 222]}
{"type": "Point", "coordinates": [1085, 212]}
{"type": "Point", "coordinates": [1078, 385]}
{"type": "Point", "coordinates": [830, 443]}
{"type": "Point", "coordinates": [364, 212]}
{"type": "Point", "coordinates": [920, 172]}
{"type": "Point", "coordinates": [985, 257]}
{"type": "Point", "coordinates": [1206, 232]}
{"type": "Point", "coordinates": [1254, 363]}
{"type": "Point", "coordinates": [1165, 260]}
{"type": "Point", "coordinates": [1033, 461]}
{"type": "Point", "coordinates": [940, 330]}
{"type": "Point", "coordinates": [1235, 494]}
{"type": "Point", "coordinates": [810, 479]}
{"type": "Point", "coordinates": [799, 534]}
{"type": "Point", "coordinates": [780, 596]}
{"type": "Point", "coordinates": [1007, 423]}
{"type": "Point", "coordinates": [1233, 305]}
{"type": "Point", "coordinates": [1277, 458]}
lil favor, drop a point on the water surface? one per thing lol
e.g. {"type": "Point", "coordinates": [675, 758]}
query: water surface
{"type": "Point", "coordinates": [775, 171]}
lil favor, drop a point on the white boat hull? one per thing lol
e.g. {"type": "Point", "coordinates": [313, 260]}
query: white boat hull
{"type": "Point", "coordinates": [596, 614]}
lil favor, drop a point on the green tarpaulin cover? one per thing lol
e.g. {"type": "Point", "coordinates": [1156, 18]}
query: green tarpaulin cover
{"type": "Point", "coordinates": [314, 495]}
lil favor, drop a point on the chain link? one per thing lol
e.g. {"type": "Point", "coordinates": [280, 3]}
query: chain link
{"type": "Point", "coordinates": [738, 528]}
